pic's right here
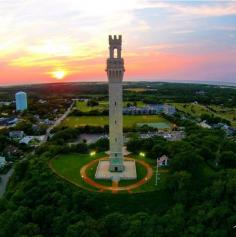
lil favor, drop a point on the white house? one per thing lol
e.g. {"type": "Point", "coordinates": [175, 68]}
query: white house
{"type": "Point", "coordinates": [204, 124]}
{"type": "Point", "coordinates": [162, 161]}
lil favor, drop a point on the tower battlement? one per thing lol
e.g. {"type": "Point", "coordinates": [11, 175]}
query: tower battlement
{"type": "Point", "coordinates": [115, 40]}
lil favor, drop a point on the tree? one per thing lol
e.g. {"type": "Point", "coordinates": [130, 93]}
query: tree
{"type": "Point", "coordinates": [81, 148]}
{"type": "Point", "coordinates": [92, 103]}
{"type": "Point", "coordinates": [228, 159]}
{"type": "Point", "coordinates": [187, 161]}
{"type": "Point", "coordinates": [100, 145]}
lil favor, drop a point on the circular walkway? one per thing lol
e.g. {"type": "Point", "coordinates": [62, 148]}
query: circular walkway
{"type": "Point", "coordinates": [115, 187]}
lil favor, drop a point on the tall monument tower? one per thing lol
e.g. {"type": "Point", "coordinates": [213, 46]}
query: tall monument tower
{"type": "Point", "coordinates": [115, 71]}
{"type": "Point", "coordinates": [116, 167]}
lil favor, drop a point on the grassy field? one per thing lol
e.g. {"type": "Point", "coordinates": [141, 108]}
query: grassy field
{"type": "Point", "coordinates": [82, 105]}
{"type": "Point", "coordinates": [129, 120]}
{"type": "Point", "coordinates": [226, 113]}
{"type": "Point", "coordinates": [196, 110]}
{"type": "Point", "coordinates": [68, 167]}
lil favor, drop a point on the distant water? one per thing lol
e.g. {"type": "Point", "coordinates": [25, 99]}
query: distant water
{"type": "Point", "coordinates": [216, 83]}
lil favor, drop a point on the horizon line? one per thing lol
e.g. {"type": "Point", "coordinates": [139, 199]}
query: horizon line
{"type": "Point", "coordinates": [216, 83]}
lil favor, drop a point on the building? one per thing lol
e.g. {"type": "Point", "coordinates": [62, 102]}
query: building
{"type": "Point", "coordinates": [115, 71]}
{"type": "Point", "coordinates": [28, 139]}
{"type": "Point", "coordinates": [150, 109]}
{"type": "Point", "coordinates": [2, 161]}
{"type": "Point", "coordinates": [204, 124]}
{"type": "Point", "coordinates": [16, 134]}
{"type": "Point", "coordinates": [116, 167]}
{"type": "Point", "coordinates": [5, 103]}
{"type": "Point", "coordinates": [162, 161]}
{"type": "Point", "coordinates": [21, 101]}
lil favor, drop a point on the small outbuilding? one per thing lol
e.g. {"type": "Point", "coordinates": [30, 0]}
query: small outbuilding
{"type": "Point", "coordinates": [163, 161]}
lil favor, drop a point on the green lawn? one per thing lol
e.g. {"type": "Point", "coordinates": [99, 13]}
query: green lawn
{"type": "Point", "coordinates": [226, 113]}
{"type": "Point", "coordinates": [68, 165]}
{"type": "Point", "coordinates": [82, 105]}
{"type": "Point", "coordinates": [196, 110]}
{"type": "Point", "coordinates": [129, 120]}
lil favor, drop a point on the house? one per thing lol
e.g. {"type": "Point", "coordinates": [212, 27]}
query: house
{"type": "Point", "coordinates": [28, 139]}
{"type": "Point", "coordinates": [162, 161]}
{"type": "Point", "coordinates": [228, 130]}
{"type": "Point", "coordinates": [16, 134]}
{"type": "Point", "coordinates": [41, 101]}
{"type": "Point", "coordinates": [48, 122]}
{"type": "Point", "coordinates": [203, 124]}
{"type": "Point", "coordinates": [200, 92]}
{"type": "Point", "coordinates": [2, 161]}
{"type": "Point", "coordinates": [8, 121]}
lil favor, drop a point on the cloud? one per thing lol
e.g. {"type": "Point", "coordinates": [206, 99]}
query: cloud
{"type": "Point", "coordinates": [42, 35]}
{"type": "Point", "coordinates": [203, 8]}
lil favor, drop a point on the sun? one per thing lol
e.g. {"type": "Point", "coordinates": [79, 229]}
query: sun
{"type": "Point", "coordinates": [59, 74]}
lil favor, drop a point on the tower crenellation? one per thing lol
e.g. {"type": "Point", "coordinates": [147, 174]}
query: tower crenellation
{"type": "Point", "coordinates": [114, 40]}
{"type": "Point", "coordinates": [115, 46]}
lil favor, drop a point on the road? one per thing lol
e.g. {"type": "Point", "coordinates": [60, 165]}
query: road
{"type": "Point", "coordinates": [57, 122]}
{"type": "Point", "coordinates": [5, 177]}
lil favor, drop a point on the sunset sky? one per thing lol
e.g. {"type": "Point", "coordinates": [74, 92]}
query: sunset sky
{"type": "Point", "coordinates": [67, 40]}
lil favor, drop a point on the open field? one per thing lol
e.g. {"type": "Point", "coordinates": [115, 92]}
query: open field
{"type": "Point", "coordinates": [226, 113]}
{"type": "Point", "coordinates": [82, 105]}
{"type": "Point", "coordinates": [196, 110]}
{"type": "Point", "coordinates": [129, 120]}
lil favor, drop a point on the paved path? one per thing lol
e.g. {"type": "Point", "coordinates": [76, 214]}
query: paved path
{"type": "Point", "coordinates": [115, 185]}
{"type": "Point", "coordinates": [5, 178]}
{"type": "Point", "coordinates": [115, 188]}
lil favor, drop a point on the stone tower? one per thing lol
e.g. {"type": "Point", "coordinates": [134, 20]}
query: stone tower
{"type": "Point", "coordinates": [115, 71]}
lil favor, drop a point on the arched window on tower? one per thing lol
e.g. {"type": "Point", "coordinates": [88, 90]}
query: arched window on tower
{"type": "Point", "coordinates": [115, 53]}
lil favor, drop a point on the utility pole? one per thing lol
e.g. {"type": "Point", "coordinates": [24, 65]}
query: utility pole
{"type": "Point", "coordinates": [157, 174]}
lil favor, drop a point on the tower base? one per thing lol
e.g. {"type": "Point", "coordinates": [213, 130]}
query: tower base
{"type": "Point", "coordinates": [116, 168]}
{"type": "Point", "coordinates": [128, 173]}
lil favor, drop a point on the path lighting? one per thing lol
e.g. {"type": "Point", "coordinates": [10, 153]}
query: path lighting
{"type": "Point", "coordinates": [92, 153]}
{"type": "Point", "coordinates": [142, 154]}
